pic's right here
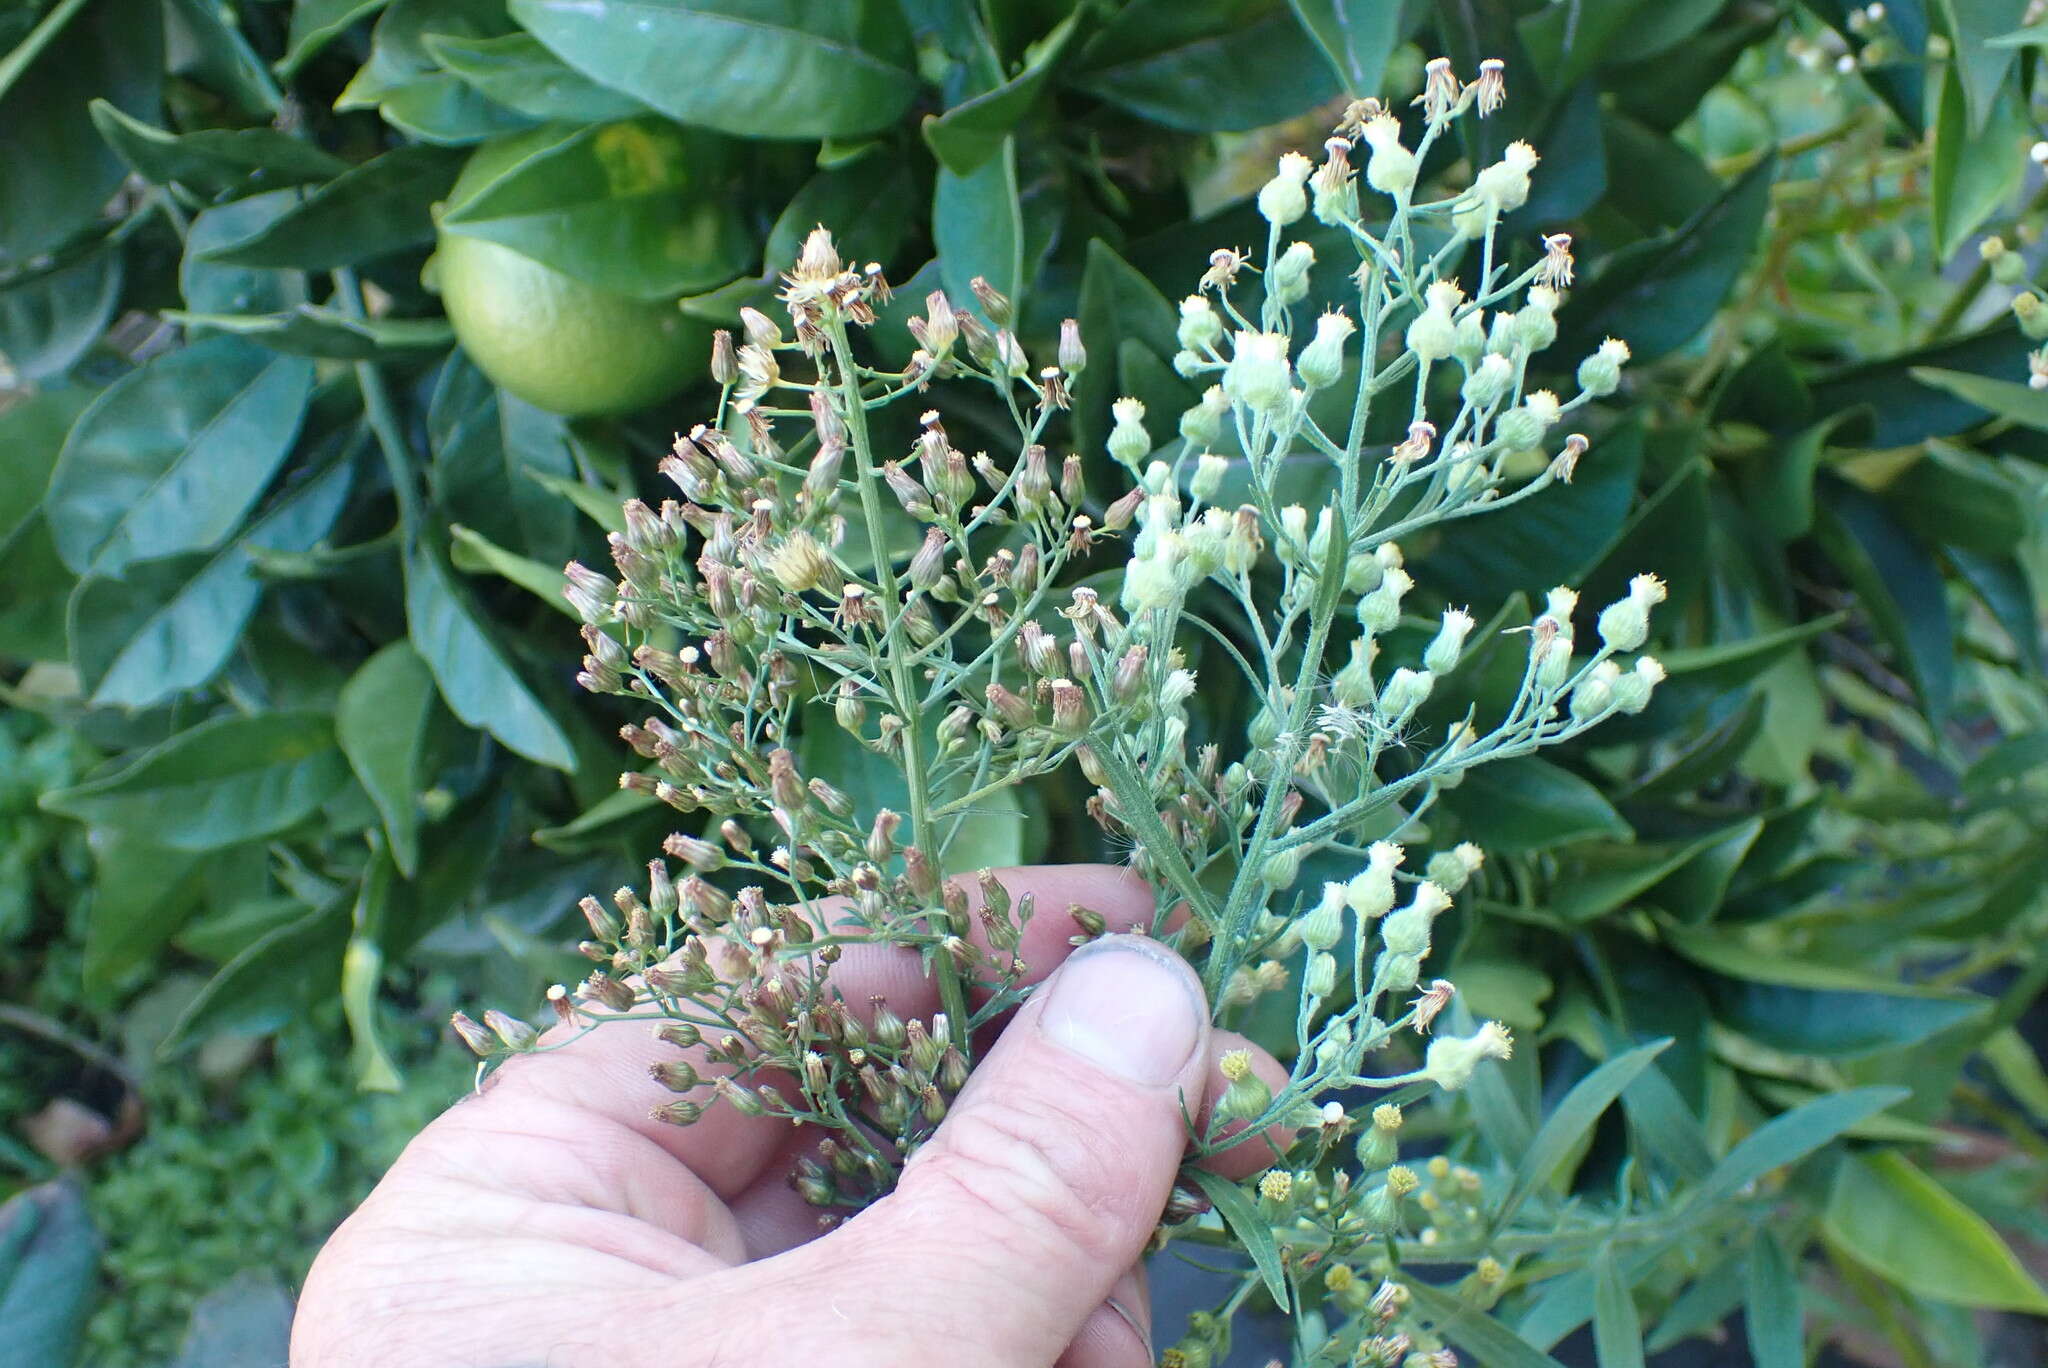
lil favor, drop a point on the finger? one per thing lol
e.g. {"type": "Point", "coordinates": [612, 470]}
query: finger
{"type": "Point", "coordinates": [1046, 1179]}
{"type": "Point", "coordinates": [604, 1072]}
{"type": "Point", "coordinates": [1118, 1333]}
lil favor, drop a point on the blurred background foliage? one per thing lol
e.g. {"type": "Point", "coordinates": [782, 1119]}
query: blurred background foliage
{"type": "Point", "coordinates": [303, 409]}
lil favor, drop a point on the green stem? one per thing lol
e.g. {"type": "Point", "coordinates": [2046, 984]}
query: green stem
{"type": "Point", "coordinates": [41, 36]}
{"type": "Point", "coordinates": [383, 419]}
{"type": "Point", "coordinates": [855, 414]}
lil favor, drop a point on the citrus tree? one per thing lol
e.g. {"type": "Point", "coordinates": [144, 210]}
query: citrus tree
{"type": "Point", "coordinates": [336, 328]}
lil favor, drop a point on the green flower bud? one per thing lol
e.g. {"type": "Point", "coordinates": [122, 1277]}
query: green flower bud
{"type": "Point", "coordinates": [1281, 870]}
{"type": "Point", "coordinates": [1208, 478]}
{"type": "Point", "coordinates": [1203, 424]}
{"type": "Point", "coordinates": [1600, 373]}
{"type": "Point", "coordinates": [1451, 869]}
{"type": "Point", "coordinates": [1258, 375]}
{"type": "Point", "coordinates": [1322, 360]}
{"type": "Point", "coordinates": [1284, 198]}
{"type": "Point", "coordinates": [1321, 979]}
{"type": "Point", "coordinates": [1488, 384]}
{"type": "Point", "coordinates": [1128, 441]}
{"type": "Point", "coordinates": [1442, 654]}
{"type": "Point", "coordinates": [1434, 333]}
{"type": "Point", "coordinates": [1451, 1060]}
{"type": "Point", "coordinates": [1405, 691]}
{"type": "Point", "coordinates": [1201, 327]}
{"type": "Point", "coordinates": [1287, 282]}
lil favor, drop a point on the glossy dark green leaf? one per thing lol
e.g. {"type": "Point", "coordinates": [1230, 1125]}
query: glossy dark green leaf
{"type": "Point", "coordinates": [225, 781]}
{"type": "Point", "coordinates": [2007, 591]}
{"type": "Point", "coordinates": [211, 288]}
{"type": "Point", "coordinates": [971, 132]}
{"type": "Point", "coordinates": [32, 434]}
{"type": "Point", "coordinates": [33, 587]}
{"type": "Point", "coordinates": [1653, 181]}
{"type": "Point", "coordinates": [601, 824]}
{"type": "Point", "coordinates": [55, 173]}
{"type": "Point", "coordinates": [1702, 758]}
{"type": "Point", "coordinates": [1599, 879]}
{"type": "Point", "coordinates": [1207, 68]}
{"type": "Point", "coordinates": [244, 1323]}
{"type": "Point", "coordinates": [1906, 403]}
{"type": "Point", "coordinates": [405, 83]}
{"type": "Point", "coordinates": [978, 227]}
{"type": "Point", "coordinates": [381, 724]}
{"type": "Point", "coordinates": [208, 49]}
{"type": "Point", "coordinates": [1526, 804]}
{"type": "Point", "coordinates": [1241, 1213]}
{"type": "Point", "coordinates": [2012, 760]}
{"type": "Point", "coordinates": [1478, 1334]}
{"type": "Point", "coordinates": [1731, 664]}
{"type": "Point", "coordinates": [1355, 37]}
{"type": "Point", "coordinates": [1547, 541]}
{"type": "Point", "coordinates": [476, 676]}
{"type": "Point", "coordinates": [314, 330]}
{"type": "Point", "coordinates": [1664, 90]}
{"type": "Point", "coordinates": [867, 206]}
{"type": "Point", "coordinates": [1657, 294]}
{"type": "Point", "coordinates": [371, 211]}
{"type": "Point", "coordinates": [1778, 481]}
{"type": "Point", "coordinates": [1695, 890]}
{"type": "Point", "coordinates": [1659, 28]}
{"type": "Point", "coordinates": [50, 317]}
{"type": "Point", "coordinates": [1903, 1225]}
{"type": "Point", "coordinates": [166, 626]}
{"type": "Point", "coordinates": [1967, 180]}
{"type": "Point", "coordinates": [1772, 1314]}
{"type": "Point", "coordinates": [1948, 498]}
{"type": "Point", "coordinates": [2023, 404]}
{"type": "Point", "coordinates": [316, 23]}
{"type": "Point", "coordinates": [516, 71]}
{"type": "Point", "coordinates": [131, 918]}
{"type": "Point", "coordinates": [1617, 1328]}
{"type": "Point", "coordinates": [214, 159]}
{"type": "Point", "coordinates": [755, 68]}
{"type": "Point", "coordinates": [1808, 1007]}
{"type": "Point", "coordinates": [1897, 584]}
{"type": "Point", "coordinates": [49, 1274]}
{"type": "Point", "coordinates": [270, 981]}
{"type": "Point", "coordinates": [169, 457]}
{"type": "Point", "coordinates": [1568, 1125]}
{"type": "Point", "coordinates": [639, 207]}
{"type": "Point", "coordinates": [1981, 64]}
{"type": "Point", "coordinates": [1566, 42]}
{"type": "Point", "coordinates": [487, 447]}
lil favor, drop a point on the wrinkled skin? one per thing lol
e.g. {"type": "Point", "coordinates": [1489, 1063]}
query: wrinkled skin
{"type": "Point", "coordinates": [550, 1221]}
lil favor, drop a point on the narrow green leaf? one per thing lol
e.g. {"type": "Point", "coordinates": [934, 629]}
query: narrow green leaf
{"type": "Point", "coordinates": [32, 432]}
{"type": "Point", "coordinates": [1241, 1213]}
{"type": "Point", "coordinates": [1898, 585]}
{"type": "Point", "coordinates": [1981, 63]}
{"type": "Point", "coordinates": [381, 722]}
{"type": "Point", "coordinates": [1207, 68]}
{"type": "Point", "coordinates": [2023, 404]}
{"type": "Point", "coordinates": [2014, 759]}
{"type": "Point", "coordinates": [477, 678]}
{"type": "Point", "coordinates": [1569, 1123]}
{"type": "Point", "coordinates": [1968, 180]}
{"type": "Point", "coordinates": [1904, 1226]}
{"type": "Point", "coordinates": [316, 23]}
{"type": "Point", "coordinates": [1788, 1138]}
{"type": "Point", "coordinates": [486, 443]}
{"type": "Point", "coordinates": [1617, 1328]}
{"type": "Point", "coordinates": [754, 68]}
{"type": "Point", "coordinates": [1478, 1334]}
{"type": "Point", "coordinates": [225, 781]}
{"type": "Point", "coordinates": [1771, 1313]}
{"type": "Point", "coordinates": [170, 457]}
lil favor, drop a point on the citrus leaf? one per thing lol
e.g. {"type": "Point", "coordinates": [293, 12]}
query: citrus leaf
{"type": "Point", "coordinates": [49, 1273]}
{"type": "Point", "coordinates": [214, 159]}
{"type": "Point", "coordinates": [1901, 1224]}
{"type": "Point", "coordinates": [130, 918]}
{"type": "Point", "coordinates": [1241, 1213]}
{"type": "Point", "coordinates": [471, 552]}
{"type": "Point", "coordinates": [978, 227]}
{"type": "Point", "coordinates": [1526, 804]}
{"type": "Point", "coordinates": [2023, 404]}
{"type": "Point", "coordinates": [517, 71]}
{"type": "Point", "coordinates": [313, 330]}
{"type": "Point", "coordinates": [1573, 1118]}
{"type": "Point", "coordinates": [316, 23]}
{"type": "Point", "coordinates": [168, 626]}
{"type": "Point", "coordinates": [1971, 176]}
{"type": "Point", "coordinates": [1980, 63]}
{"type": "Point", "coordinates": [380, 721]}
{"type": "Point", "coordinates": [32, 434]}
{"type": "Point", "coordinates": [1207, 68]}
{"type": "Point", "coordinates": [169, 457]}
{"type": "Point", "coordinates": [51, 316]}
{"type": "Point", "coordinates": [1355, 36]}
{"type": "Point", "coordinates": [477, 679]}
{"type": "Point", "coordinates": [975, 130]}
{"type": "Point", "coordinates": [368, 211]}
{"type": "Point", "coordinates": [225, 781]}
{"type": "Point", "coordinates": [487, 444]}
{"type": "Point", "coordinates": [210, 288]}
{"type": "Point", "coordinates": [755, 68]}
{"type": "Point", "coordinates": [639, 207]}
{"type": "Point", "coordinates": [1898, 584]}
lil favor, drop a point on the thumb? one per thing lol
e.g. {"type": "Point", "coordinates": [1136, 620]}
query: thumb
{"type": "Point", "coordinates": [1015, 1221]}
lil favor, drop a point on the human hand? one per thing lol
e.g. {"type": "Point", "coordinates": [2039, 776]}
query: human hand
{"type": "Point", "coordinates": [549, 1221]}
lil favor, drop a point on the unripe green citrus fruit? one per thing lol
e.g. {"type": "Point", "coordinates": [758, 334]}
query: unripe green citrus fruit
{"type": "Point", "coordinates": [557, 342]}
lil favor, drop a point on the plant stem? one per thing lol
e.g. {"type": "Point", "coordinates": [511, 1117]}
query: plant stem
{"type": "Point", "coordinates": [855, 414]}
{"type": "Point", "coordinates": [383, 418]}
